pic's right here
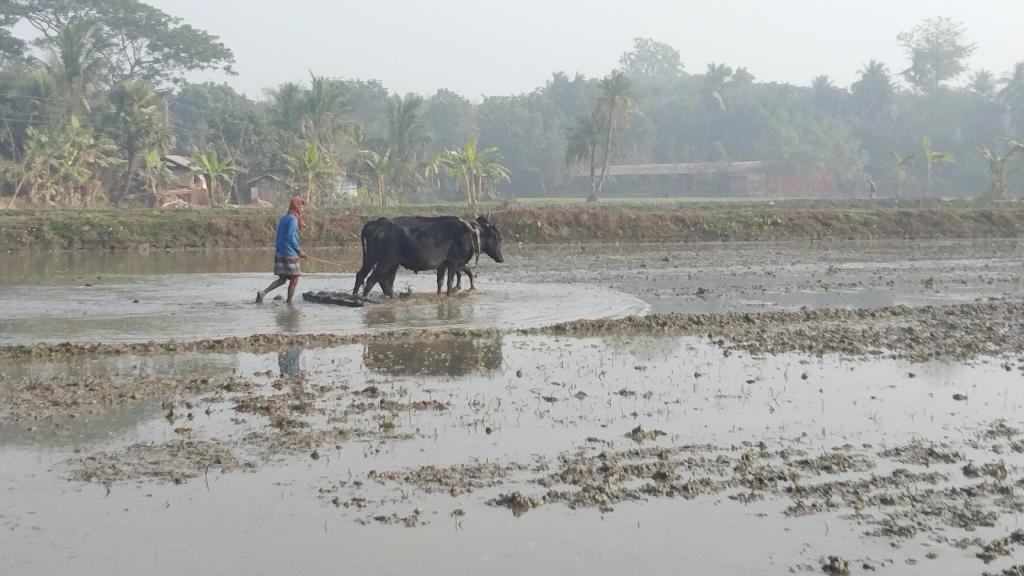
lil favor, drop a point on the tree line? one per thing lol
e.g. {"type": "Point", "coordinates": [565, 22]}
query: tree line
{"type": "Point", "coordinates": [92, 103]}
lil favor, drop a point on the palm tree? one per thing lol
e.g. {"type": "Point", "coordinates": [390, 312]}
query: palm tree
{"type": "Point", "coordinates": [616, 102]}
{"type": "Point", "coordinates": [930, 157]}
{"type": "Point", "coordinates": [287, 106]}
{"type": "Point", "coordinates": [77, 60]}
{"type": "Point", "coordinates": [216, 169]}
{"type": "Point", "coordinates": [1011, 93]}
{"type": "Point", "coordinates": [136, 121]}
{"type": "Point", "coordinates": [382, 167]}
{"type": "Point", "coordinates": [983, 82]}
{"type": "Point", "coordinates": [873, 94]}
{"type": "Point", "coordinates": [582, 147]}
{"type": "Point", "coordinates": [997, 167]}
{"type": "Point", "coordinates": [326, 105]}
{"type": "Point", "coordinates": [309, 167]}
{"type": "Point", "coordinates": [901, 162]}
{"type": "Point", "coordinates": [405, 136]}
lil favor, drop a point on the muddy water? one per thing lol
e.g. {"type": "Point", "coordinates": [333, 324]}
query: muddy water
{"type": "Point", "coordinates": [192, 295]}
{"type": "Point", "coordinates": [314, 461]}
{"type": "Point", "coordinates": [279, 515]}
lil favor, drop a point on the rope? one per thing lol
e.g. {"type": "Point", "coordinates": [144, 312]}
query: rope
{"type": "Point", "coordinates": [308, 257]}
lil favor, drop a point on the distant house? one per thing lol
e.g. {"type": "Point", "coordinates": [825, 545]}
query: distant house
{"type": "Point", "coordinates": [741, 178]}
{"type": "Point", "coordinates": [266, 188]}
{"type": "Point", "coordinates": [188, 187]}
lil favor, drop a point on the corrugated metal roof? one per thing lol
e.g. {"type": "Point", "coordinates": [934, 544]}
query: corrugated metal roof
{"type": "Point", "coordinates": [183, 161]}
{"type": "Point", "coordinates": [691, 168]}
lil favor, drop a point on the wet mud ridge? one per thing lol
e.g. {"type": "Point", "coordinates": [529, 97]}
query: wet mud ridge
{"type": "Point", "coordinates": [952, 332]}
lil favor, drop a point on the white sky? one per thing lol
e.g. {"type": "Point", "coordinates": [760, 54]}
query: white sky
{"type": "Point", "coordinates": [485, 47]}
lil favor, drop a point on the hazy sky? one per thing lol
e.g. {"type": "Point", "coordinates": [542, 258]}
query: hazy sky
{"type": "Point", "coordinates": [487, 47]}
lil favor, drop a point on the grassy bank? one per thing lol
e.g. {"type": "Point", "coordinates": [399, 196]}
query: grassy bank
{"type": "Point", "coordinates": [694, 222]}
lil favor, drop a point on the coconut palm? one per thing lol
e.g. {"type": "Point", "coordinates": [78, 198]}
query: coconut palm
{"type": "Point", "coordinates": [983, 82]}
{"type": "Point", "coordinates": [616, 102]}
{"type": "Point", "coordinates": [930, 157]}
{"type": "Point", "coordinates": [582, 147]}
{"type": "Point", "coordinates": [873, 93]}
{"type": "Point", "coordinates": [215, 169]}
{"type": "Point", "coordinates": [1011, 93]}
{"type": "Point", "coordinates": [901, 162]}
{"type": "Point", "coordinates": [77, 61]}
{"type": "Point", "coordinates": [309, 167]}
{"type": "Point", "coordinates": [324, 120]}
{"type": "Point", "coordinates": [136, 121]}
{"type": "Point", "coordinates": [997, 168]}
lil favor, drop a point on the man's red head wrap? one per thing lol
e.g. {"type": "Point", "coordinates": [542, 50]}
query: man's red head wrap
{"type": "Point", "coordinates": [296, 208]}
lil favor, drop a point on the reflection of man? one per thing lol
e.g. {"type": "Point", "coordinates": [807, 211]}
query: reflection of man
{"type": "Point", "coordinates": [290, 362]}
{"type": "Point", "coordinates": [288, 319]}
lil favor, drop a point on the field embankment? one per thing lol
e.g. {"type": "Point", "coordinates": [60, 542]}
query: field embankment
{"type": "Point", "coordinates": [254, 227]}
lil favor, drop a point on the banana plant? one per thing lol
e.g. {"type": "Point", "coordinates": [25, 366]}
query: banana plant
{"type": "Point", "coordinates": [158, 174]}
{"type": "Point", "coordinates": [901, 162]}
{"type": "Point", "coordinates": [310, 168]}
{"type": "Point", "coordinates": [931, 157]}
{"type": "Point", "coordinates": [216, 169]}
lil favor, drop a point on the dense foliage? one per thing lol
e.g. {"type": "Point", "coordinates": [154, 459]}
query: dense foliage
{"type": "Point", "coordinates": [93, 100]}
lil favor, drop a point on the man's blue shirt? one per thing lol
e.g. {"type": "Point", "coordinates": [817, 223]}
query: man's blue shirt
{"type": "Point", "coordinates": [287, 243]}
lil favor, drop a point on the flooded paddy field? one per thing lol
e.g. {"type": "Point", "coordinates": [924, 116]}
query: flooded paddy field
{"type": "Point", "coordinates": [730, 432]}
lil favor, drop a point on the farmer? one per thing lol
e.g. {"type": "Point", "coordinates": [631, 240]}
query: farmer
{"type": "Point", "coordinates": [287, 251]}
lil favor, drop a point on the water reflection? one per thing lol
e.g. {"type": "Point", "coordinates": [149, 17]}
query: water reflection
{"type": "Point", "coordinates": [288, 318]}
{"type": "Point", "coordinates": [445, 356]}
{"type": "Point", "coordinates": [449, 310]}
{"type": "Point", "coordinates": [290, 362]}
{"type": "Point", "coordinates": [380, 314]}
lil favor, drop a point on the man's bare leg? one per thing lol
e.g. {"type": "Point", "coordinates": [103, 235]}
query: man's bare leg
{"type": "Point", "coordinates": [273, 286]}
{"type": "Point", "coordinates": [291, 288]}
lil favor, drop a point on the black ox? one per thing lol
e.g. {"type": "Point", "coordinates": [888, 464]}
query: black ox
{"type": "Point", "coordinates": [445, 244]}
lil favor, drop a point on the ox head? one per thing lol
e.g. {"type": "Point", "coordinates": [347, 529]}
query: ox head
{"type": "Point", "coordinates": [490, 239]}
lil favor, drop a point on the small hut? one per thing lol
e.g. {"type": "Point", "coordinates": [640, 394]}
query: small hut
{"type": "Point", "coordinates": [189, 188]}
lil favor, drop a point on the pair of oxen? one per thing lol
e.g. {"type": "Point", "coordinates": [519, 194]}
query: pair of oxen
{"type": "Point", "coordinates": [445, 244]}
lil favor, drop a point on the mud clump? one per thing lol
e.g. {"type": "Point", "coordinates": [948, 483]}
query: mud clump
{"type": "Point", "coordinates": [516, 501]}
{"type": "Point", "coordinates": [837, 566]}
{"type": "Point", "coordinates": [923, 454]}
{"type": "Point", "coordinates": [176, 461]}
{"type": "Point", "coordinates": [954, 332]}
{"type": "Point", "coordinates": [37, 398]}
{"type": "Point", "coordinates": [638, 434]}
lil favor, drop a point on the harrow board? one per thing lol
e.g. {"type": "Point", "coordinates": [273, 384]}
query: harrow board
{"type": "Point", "coordinates": [336, 298]}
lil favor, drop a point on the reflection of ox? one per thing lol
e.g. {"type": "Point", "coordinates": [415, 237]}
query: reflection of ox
{"type": "Point", "coordinates": [445, 356]}
{"type": "Point", "coordinates": [445, 244]}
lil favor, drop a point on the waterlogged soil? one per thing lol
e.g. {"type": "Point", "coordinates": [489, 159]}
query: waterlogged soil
{"type": "Point", "coordinates": [742, 428]}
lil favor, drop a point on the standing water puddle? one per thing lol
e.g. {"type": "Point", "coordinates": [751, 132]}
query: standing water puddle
{"type": "Point", "coordinates": [318, 460]}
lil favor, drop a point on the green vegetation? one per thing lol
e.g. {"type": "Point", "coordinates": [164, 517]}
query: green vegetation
{"type": "Point", "coordinates": [93, 94]}
{"type": "Point", "coordinates": [549, 221]}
